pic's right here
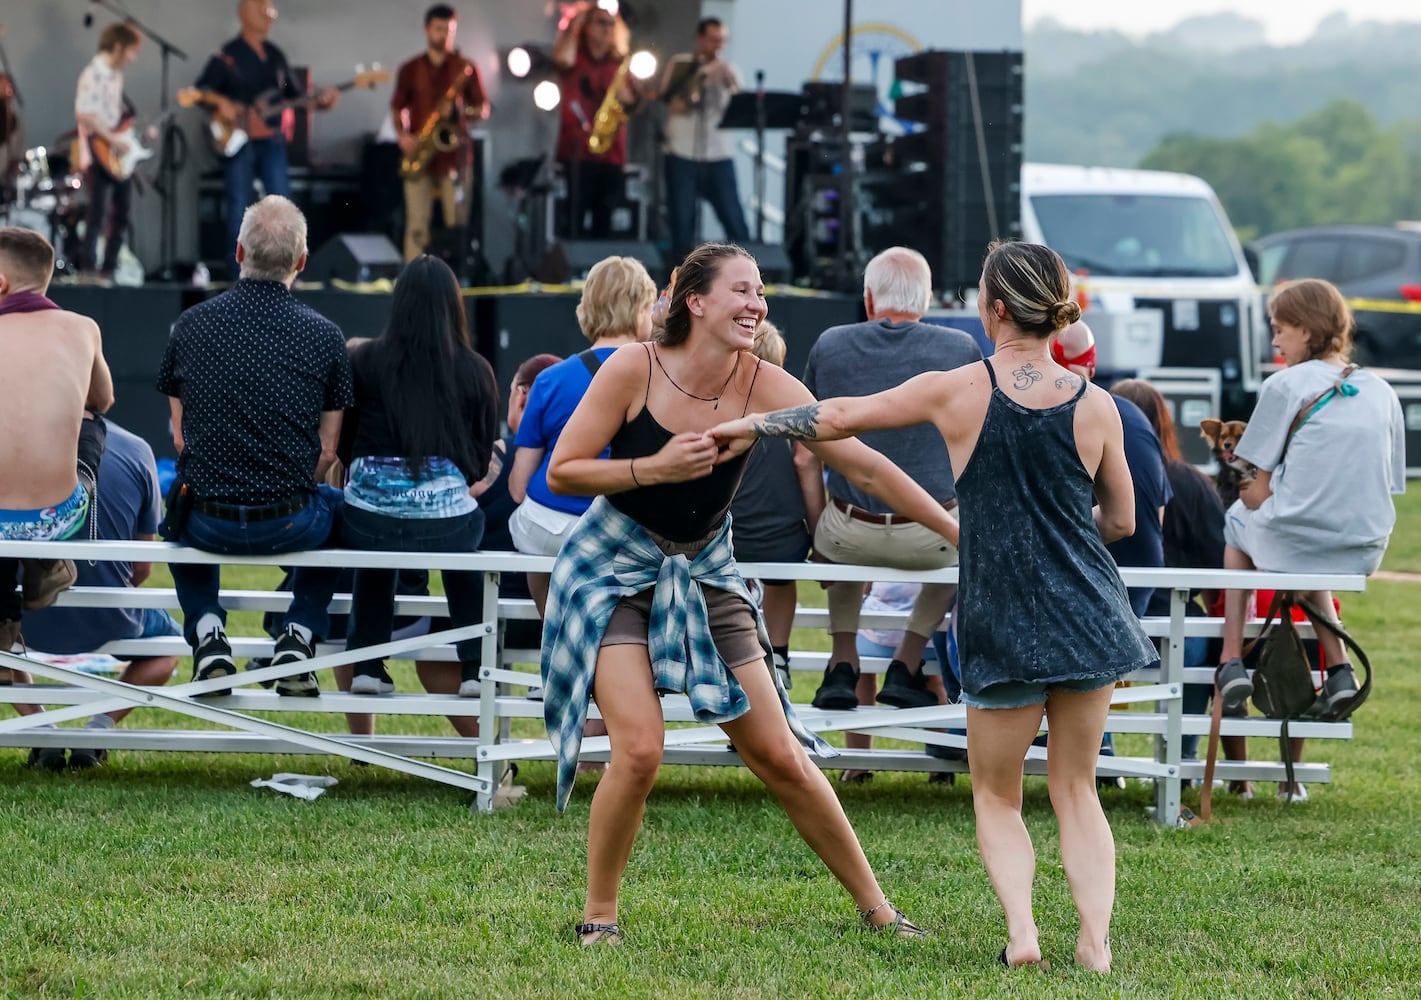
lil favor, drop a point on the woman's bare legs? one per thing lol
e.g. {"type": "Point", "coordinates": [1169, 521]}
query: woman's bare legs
{"type": "Point", "coordinates": [443, 678]}
{"type": "Point", "coordinates": [1077, 720]}
{"type": "Point", "coordinates": [997, 742]}
{"type": "Point", "coordinates": [631, 710]}
{"type": "Point", "coordinates": [763, 739]}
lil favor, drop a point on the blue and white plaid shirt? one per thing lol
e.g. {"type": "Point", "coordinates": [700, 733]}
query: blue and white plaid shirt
{"type": "Point", "coordinates": [609, 556]}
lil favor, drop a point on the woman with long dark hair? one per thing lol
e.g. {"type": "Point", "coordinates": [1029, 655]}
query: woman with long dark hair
{"type": "Point", "coordinates": [421, 432]}
{"type": "Point", "coordinates": [646, 599]}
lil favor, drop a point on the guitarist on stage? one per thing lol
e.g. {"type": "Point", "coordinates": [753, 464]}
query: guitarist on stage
{"type": "Point", "coordinates": [100, 109]}
{"type": "Point", "coordinates": [421, 91]}
{"type": "Point", "coordinates": [246, 68]}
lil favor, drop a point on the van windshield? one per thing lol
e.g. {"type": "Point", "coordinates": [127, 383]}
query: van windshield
{"type": "Point", "coordinates": [1128, 235]}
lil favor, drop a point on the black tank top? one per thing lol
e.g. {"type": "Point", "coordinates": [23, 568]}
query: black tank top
{"type": "Point", "coordinates": [680, 512]}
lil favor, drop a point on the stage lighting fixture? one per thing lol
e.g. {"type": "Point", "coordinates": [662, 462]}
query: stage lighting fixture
{"type": "Point", "coordinates": [520, 62]}
{"type": "Point", "coordinates": [546, 95]}
{"type": "Point", "coordinates": [643, 65]}
{"type": "Point", "coordinates": [610, 6]}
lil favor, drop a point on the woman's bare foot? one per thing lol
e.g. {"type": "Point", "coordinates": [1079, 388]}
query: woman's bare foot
{"type": "Point", "coordinates": [1023, 951]}
{"type": "Point", "coordinates": [1095, 957]}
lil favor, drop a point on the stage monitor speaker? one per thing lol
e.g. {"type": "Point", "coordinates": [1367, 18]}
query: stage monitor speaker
{"type": "Point", "coordinates": [354, 257]}
{"type": "Point", "coordinates": [569, 259]}
{"type": "Point", "coordinates": [775, 267]}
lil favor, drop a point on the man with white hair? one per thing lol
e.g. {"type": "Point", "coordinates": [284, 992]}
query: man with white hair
{"type": "Point", "coordinates": [891, 347]}
{"type": "Point", "coordinates": [258, 384]}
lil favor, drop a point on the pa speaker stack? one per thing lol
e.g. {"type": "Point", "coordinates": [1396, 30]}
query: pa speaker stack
{"type": "Point", "coordinates": [959, 182]}
{"type": "Point", "coordinates": [354, 257]}
{"type": "Point", "coordinates": [569, 259]}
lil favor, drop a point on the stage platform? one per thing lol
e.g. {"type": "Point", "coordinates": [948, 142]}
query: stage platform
{"type": "Point", "coordinates": [509, 324]}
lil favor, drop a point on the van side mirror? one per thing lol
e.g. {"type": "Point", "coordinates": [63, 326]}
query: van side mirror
{"type": "Point", "coordinates": [1250, 256]}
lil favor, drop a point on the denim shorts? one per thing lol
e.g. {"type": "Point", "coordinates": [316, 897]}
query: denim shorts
{"type": "Point", "coordinates": [158, 622]}
{"type": "Point", "coordinates": [1020, 694]}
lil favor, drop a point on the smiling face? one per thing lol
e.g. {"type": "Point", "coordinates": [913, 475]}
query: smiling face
{"type": "Point", "coordinates": [734, 305]}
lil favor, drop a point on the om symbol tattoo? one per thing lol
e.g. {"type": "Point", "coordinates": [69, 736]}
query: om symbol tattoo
{"type": "Point", "coordinates": [1026, 376]}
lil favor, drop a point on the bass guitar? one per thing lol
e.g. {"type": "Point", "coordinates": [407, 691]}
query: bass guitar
{"type": "Point", "coordinates": [250, 122]}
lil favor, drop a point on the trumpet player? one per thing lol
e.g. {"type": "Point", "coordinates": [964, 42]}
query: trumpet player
{"type": "Point", "coordinates": [590, 51]}
{"type": "Point", "coordinates": [432, 112]}
{"type": "Point", "coordinates": [697, 87]}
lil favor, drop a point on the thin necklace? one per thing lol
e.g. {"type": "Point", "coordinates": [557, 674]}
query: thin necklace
{"type": "Point", "coordinates": [704, 399]}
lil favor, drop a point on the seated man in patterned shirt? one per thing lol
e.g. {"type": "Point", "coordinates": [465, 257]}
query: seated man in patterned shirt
{"type": "Point", "coordinates": [258, 384]}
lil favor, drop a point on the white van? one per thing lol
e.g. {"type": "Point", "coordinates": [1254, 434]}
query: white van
{"type": "Point", "coordinates": [1147, 240]}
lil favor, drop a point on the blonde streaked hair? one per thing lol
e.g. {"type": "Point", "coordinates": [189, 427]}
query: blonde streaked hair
{"type": "Point", "coordinates": [1032, 282]}
{"type": "Point", "coordinates": [769, 343]}
{"type": "Point", "coordinates": [616, 291]}
{"type": "Point", "coordinates": [1321, 310]}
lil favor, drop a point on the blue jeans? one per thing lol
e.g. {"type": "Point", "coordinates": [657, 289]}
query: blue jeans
{"type": "Point", "coordinates": [310, 527]}
{"type": "Point", "coordinates": [264, 158]}
{"type": "Point", "coordinates": [688, 181]}
{"type": "Point", "coordinates": [1196, 696]}
{"type": "Point", "coordinates": [372, 605]}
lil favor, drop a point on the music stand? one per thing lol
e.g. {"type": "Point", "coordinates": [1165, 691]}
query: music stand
{"type": "Point", "coordinates": [760, 110]}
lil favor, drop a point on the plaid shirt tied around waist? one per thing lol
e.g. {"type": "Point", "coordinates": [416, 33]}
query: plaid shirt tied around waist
{"type": "Point", "coordinates": [609, 556]}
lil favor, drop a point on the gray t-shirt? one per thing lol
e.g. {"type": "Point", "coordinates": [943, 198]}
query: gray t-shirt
{"type": "Point", "coordinates": [1331, 508]}
{"type": "Point", "coordinates": [863, 358]}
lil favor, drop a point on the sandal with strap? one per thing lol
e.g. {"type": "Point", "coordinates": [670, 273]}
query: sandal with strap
{"type": "Point", "coordinates": [608, 934]}
{"type": "Point", "coordinates": [899, 926]}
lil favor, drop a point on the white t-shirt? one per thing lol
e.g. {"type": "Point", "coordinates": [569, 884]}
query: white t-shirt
{"type": "Point", "coordinates": [100, 93]}
{"type": "Point", "coordinates": [695, 135]}
{"type": "Point", "coordinates": [1331, 508]}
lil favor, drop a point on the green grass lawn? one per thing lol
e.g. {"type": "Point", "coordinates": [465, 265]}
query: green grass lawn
{"type": "Point", "coordinates": [166, 875]}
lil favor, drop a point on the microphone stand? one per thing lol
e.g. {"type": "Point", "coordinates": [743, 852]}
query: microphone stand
{"type": "Point", "coordinates": [846, 271]}
{"type": "Point", "coordinates": [759, 156]}
{"type": "Point", "coordinates": [168, 228]}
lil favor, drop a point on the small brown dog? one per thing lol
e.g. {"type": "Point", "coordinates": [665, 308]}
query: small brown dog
{"type": "Point", "coordinates": [1223, 437]}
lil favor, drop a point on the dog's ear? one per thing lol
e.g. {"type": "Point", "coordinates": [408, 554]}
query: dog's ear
{"type": "Point", "coordinates": [1236, 427]}
{"type": "Point", "coordinates": [1209, 430]}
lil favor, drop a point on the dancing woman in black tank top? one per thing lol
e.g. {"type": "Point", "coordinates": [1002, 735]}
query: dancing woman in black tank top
{"type": "Point", "coordinates": [663, 491]}
{"type": "Point", "coordinates": [1044, 624]}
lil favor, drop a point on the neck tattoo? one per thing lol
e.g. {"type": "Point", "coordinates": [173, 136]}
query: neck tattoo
{"type": "Point", "coordinates": [704, 399]}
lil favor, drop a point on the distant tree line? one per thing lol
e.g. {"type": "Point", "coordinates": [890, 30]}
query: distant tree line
{"type": "Point", "coordinates": [1334, 165]}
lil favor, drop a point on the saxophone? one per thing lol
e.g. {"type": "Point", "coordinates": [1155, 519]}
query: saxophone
{"type": "Point", "coordinates": [611, 116]}
{"type": "Point", "coordinates": [437, 135]}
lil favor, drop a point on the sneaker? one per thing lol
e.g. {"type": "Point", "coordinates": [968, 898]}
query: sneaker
{"type": "Point", "coordinates": [46, 579]}
{"type": "Point", "coordinates": [81, 759]}
{"type": "Point", "coordinates": [291, 648]}
{"type": "Point", "coordinates": [212, 658]}
{"type": "Point", "coordinates": [904, 688]}
{"type": "Point", "coordinates": [1242, 789]}
{"type": "Point", "coordinates": [836, 692]}
{"type": "Point", "coordinates": [1338, 691]}
{"type": "Point", "coordinates": [1233, 683]}
{"type": "Point", "coordinates": [45, 759]}
{"type": "Point", "coordinates": [1300, 793]}
{"type": "Point", "coordinates": [781, 664]}
{"type": "Point", "coordinates": [473, 687]}
{"type": "Point", "coordinates": [377, 683]}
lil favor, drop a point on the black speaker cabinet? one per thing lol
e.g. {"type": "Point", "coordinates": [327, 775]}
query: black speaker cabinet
{"type": "Point", "coordinates": [568, 259]}
{"type": "Point", "coordinates": [354, 257]}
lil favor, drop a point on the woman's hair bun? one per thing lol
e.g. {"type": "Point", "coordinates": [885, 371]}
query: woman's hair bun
{"type": "Point", "coordinates": [1063, 314]}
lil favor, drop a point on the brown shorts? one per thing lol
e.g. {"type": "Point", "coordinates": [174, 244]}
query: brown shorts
{"type": "Point", "coordinates": [732, 621]}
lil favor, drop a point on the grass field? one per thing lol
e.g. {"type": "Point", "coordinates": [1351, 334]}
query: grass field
{"type": "Point", "coordinates": [166, 875]}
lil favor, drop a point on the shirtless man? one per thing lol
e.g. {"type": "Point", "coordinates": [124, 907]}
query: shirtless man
{"type": "Point", "coordinates": [52, 370]}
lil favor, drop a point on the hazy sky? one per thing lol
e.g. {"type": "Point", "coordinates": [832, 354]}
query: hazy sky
{"type": "Point", "coordinates": [1286, 20]}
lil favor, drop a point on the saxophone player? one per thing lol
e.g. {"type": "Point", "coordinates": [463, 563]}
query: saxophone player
{"type": "Point", "coordinates": [589, 52]}
{"type": "Point", "coordinates": [428, 86]}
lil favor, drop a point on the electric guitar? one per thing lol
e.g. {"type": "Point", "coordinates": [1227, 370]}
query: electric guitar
{"type": "Point", "coordinates": [228, 137]}
{"type": "Point", "coordinates": [120, 166]}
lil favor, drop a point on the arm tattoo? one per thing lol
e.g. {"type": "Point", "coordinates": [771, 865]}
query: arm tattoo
{"type": "Point", "coordinates": [799, 423]}
{"type": "Point", "coordinates": [1026, 376]}
{"type": "Point", "coordinates": [1065, 381]}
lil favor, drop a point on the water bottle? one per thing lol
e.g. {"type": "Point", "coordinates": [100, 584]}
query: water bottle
{"type": "Point", "coordinates": [201, 277]}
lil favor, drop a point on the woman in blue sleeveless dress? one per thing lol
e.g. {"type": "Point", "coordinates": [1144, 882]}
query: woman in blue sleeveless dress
{"type": "Point", "coordinates": [1044, 623]}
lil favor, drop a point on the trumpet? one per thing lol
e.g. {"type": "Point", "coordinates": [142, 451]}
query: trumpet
{"type": "Point", "coordinates": [437, 135]}
{"type": "Point", "coordinates": [610, 116]}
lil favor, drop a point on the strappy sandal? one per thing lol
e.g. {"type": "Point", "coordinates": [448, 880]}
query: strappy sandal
{"type": "Point", "coordinates": [608, 934]}
{"type": "Point", "coordinates": [900, 926]}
